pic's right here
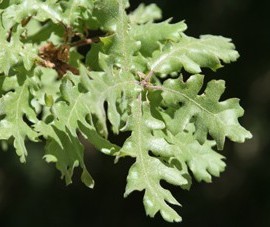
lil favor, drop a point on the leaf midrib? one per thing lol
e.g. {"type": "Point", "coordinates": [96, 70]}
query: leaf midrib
{"type": "Point", "coordinates": [18, 122]}
{"type": "Point", "coordinates": [189, 99]}
{"type": "Point", "coordinates": [122, 34]}
{"type": "Point", "coordinates": [141, 153]}
{"type": "Point", "coordinates": [164, 56]}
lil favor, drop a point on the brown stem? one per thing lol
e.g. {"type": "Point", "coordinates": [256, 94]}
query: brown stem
{"type": "Point", "coordinates": [25, 21]}
{"type": "Point", "coordinates": [149, 76]}
{"type": "Point", "coordinates": [9, 34]}
{"type": "Point", "coordinates": [84, 42]}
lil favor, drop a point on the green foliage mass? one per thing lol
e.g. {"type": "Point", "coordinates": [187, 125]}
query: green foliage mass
{"type": "Point", "coordinates": [129, 80]}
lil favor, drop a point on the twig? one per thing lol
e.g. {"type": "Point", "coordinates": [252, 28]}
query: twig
{"type": "Point", "coordinates": [84, 42]}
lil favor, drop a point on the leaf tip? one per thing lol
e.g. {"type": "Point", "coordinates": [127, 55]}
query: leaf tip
{"type": "Point", "coordinates": [87, 179]}
{"type": "Point", "coordinates": [50, 158]}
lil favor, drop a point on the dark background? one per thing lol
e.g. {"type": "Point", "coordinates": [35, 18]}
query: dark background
{"type": "Point", "coordinates": [33, 195]}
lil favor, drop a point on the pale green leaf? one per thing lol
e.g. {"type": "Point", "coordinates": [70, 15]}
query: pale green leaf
{"type": "Point", "coordinates": [218, 118]}
{"type": "Point", "coordinates": [13, 52]}
{"type": "Point", "coordinates": [98, 141]}
{"type": "Point", "coordinates": [50, 158]}
{"type": "Point", "coordinates": [75, 9]}
{"type": "Point", "coordinates": [15, 108]}
{"type": "Point", "coordinates": [74, 112]}
{"type": "Point", "coordinates": [112, 17]}
{"type": "Point", "coordinates": [144, 14]}
{"type": "Point", "coordinates": [156, 34]}
{"type": "Point", "coordinates": [201, 159]}
{"type": "Point", "coordinates": [68, 154]}
{"type": "Point", "coordinates": [193, 54]}
{"type": "Point", "coordinates": [110, 14]}
{"type": "Point", "coordinates": [73, 108]}
{"type": "Point", "coordinates": [112, 87]}
{"type": "Point", "coordinates": [45, 90]}
{"type": "Point", "coordinates": [147, 171]}
{"type": "Point", "coordinates": [8, 83]}
{"type": "Point", "coordinates": [24, 9]}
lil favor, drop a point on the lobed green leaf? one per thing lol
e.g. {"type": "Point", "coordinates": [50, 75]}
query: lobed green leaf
{"type": "Point", "coordinates": [219, 119]}
{"type": "Point", "coordinates": [147, 172]}
{"type": "Point", "coordinates": [15, 109]}
{"type": "Point", "coordinates": [13, 52]}
{"type": "Point", "coordinates": [156, 34]}
{"type": "Point", "coordinates": [193, 54]}
{"type": "Point", "coordinates": [145, 14]}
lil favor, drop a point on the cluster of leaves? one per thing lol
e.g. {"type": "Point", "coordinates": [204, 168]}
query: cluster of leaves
{"type": "Point", "coordinates": [128, 81]}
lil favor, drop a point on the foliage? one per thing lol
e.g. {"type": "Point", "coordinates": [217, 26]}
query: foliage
{"type": "Point", "coordinates": [129, 80]}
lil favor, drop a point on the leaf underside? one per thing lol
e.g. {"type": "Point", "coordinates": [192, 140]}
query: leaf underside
{"type": "Point", "coordinates": [129, 80]}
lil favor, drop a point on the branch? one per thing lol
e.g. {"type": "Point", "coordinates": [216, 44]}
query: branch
{"type": "Point", "coordinates": [85, 42]}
